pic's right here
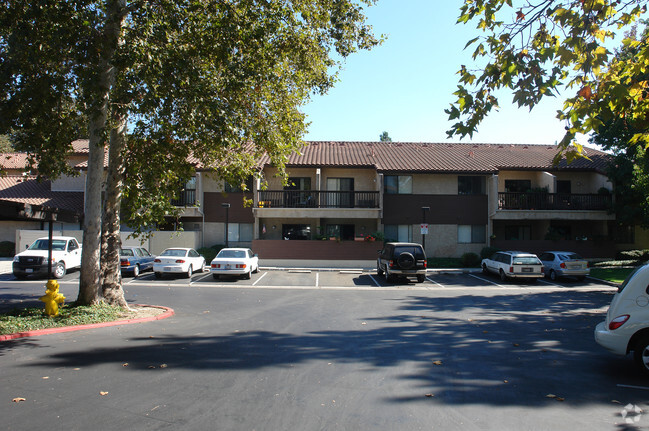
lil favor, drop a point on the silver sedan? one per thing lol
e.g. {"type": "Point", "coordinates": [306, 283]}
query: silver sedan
{"type": "Point", "coordinates": [563, 264]}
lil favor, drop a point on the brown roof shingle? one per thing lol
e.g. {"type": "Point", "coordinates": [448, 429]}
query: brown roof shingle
{"type": "Point", "coordinates": [26, 189]}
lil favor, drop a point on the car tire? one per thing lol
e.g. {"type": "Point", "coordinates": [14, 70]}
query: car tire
{"type": "Point", "coordinates": [485, 271]}
{"type": "Point", "coordinates": [553, 275]}
{"type": "Point", "coordinates": [247, 275]}
{"type": "Point", "coordinates": [216, 276]}
{"type": "Point", "coordinates": [256, 270]}
{"type": "Point", "coordinates": [581, 278]}
{"type": "Point", "coordinates": [406, 260]}
{"type": "Point", "coordinates": [136, 271]}
{"type": "Point", "coordinates": [158, 275]}
{"type": "Point", "coordinates": [421, 278]}
{"type": "Point", "coordinates": [641, 354]}
{"type": "Point", "coordinates": [59, 270]}
{"type": "Point", "coordinates": [379, 271]}
{"type": "Point", "coordinates": [20, 276]}
{"type": "Point", "coordinates": [189, 273]}
{"type": "Point", "coordinates": [503, 276]}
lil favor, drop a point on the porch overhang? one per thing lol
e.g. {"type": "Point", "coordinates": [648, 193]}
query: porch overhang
{"type": "Point", "coordinates": [551, 215]}
{"type": "Point", "coordinates": [318, 213]}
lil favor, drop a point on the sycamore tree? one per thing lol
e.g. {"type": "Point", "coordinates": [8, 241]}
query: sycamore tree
{"type": "Point", "coordinates": [159, 86]}
{"type": "Point", "coordinates": [540, 48]}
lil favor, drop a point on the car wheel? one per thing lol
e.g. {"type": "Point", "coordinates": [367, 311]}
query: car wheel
{"type": "Point", "coordinates": [256, 269]}
{"type": "Point", "coordinates": [158, 275]}
{"type": "Point", "coordinates": [216, 276]}
{"type": "Point", "coordinates": [247, 275]}
{"type": "Point", "coordinates": [503, 276]}
{"type": "Point", "coordinates": [59, 270]}
{"type": "Point", "coordinates": [553, 275]}
{"type": "Point", "coordinates": [379, 271]}
{"type": "Point", "coordinates": [421, 278]}
{"type": "Point", "coordinates": [485, 271]}
{"type": "Point", "coordinates": [20, 276]}
{"type": "Point", "coordinates": [136, 271]}
{"type": "Point", "coordinates": [641, 354]}
{"type": "Point", "coordinates": [190, 271]}
{"type": "Point", "coordinates": [581, 278]}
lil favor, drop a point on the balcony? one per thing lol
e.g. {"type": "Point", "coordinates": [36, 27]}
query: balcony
{"type": "Point", "coordinates": [317, 199]}
{"type": "Point", "coordinates": [554, 201]}
{"type": "Point", "coordinates": [186, 198]}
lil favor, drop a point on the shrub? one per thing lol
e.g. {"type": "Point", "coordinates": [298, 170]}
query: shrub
{"type": "Point", "coordinates": [487, 252]}
{"type": "Point", "coordinates": [470, 260]}
{"type": "Point", "coordinates": [7, 249]}
{"type": "Point", "coordinates": [636, 255]}
{"type": "Point", "coordinates": [209, 253]}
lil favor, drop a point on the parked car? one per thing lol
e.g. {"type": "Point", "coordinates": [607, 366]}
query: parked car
{"type": "Point", "coordinates": [626, 328]}
{"type": "Point", "coordinates": [235, 261]}
{"type": "Point", "coordinates": [134, 260]}
{"type": "Point", "coordinates": [564, 263]}
{"type": "Point", "coordinates": [513, 264]}
{"type": "Point", "coordinates": [66, 254]}
{"type": "Point", "coordinates": [402, 259]}
{"type": "Point", "coordinates": [178, 261]}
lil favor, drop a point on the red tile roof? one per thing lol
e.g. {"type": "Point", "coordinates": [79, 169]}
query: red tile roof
{"type": "Point", "coordinates": [13, 161]}
{"type": "Point", "coordinates": [437, 157]}
{"type": "Point", "coordinates": [26, 189]}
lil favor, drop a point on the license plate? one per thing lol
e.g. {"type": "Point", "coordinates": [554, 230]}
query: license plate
{"type": "Point", "coordinates": [228, 266]}
{"type": "Point", "coordinates": [527, 269]}
{"type": "Point", "coordinates": [28, 270]}
{"type": "Point", "coordinates": [168, 268]}
{"type": "Point", "coordinates": [574, 266]}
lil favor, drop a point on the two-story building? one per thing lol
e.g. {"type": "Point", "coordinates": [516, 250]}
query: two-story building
{"type": "Point", "coordinates": [340, 195]}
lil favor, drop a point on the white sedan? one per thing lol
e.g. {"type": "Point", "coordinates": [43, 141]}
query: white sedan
{"type": "Point", "coordinates": [235, 261]}
{"type": "Point", "coordinates": [178, 261]}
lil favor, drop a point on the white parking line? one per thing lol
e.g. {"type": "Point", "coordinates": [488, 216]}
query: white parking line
{"type": "Point", "coordinates": [549, 282]}
{"type": "Point", "coordinates": [434, 282]}
{"type": "Point", "coordinates": [488, 281]}
{"type": "Point", "coordinates": [633, 387]}
{"type": "Point", "coordinates": [259, 279]}
{"type": "Point", "coordinates": [200, 278]}
{"type": "Point", "coordinates": [317, 278]}
{"type": "Point", "coordinates": [374, 280]}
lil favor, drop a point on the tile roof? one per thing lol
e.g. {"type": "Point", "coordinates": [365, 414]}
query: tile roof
{"type": "Point", "coordinates": [13, 161]}
{"type": "Point", "coordinates": [438, 157]}
{"type": "Point", "coordinates": [26, 189]}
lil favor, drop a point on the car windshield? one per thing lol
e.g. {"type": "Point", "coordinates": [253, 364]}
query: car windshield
{"type": "Point", "coordinates": [174, 252]}
{"type": "Point", "coordinates": [526, 260]}
{"type": "Point", "coordinates": [232, 253]}
{"type": "Point", "coordinates": [43, 244]}
{"type": "Point", "coordinates": [417, 252]}
{"type": "Point", "coordinates": [126, 252]}
{"type": "Point", "coordinates": [570, 256]}
{"type": "Point", "coordinates": [628, 278]}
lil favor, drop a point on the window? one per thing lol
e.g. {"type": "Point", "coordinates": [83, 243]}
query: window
{"type": "Point", "coordinates": [471, 234]}
{"type": "Point", "coordinates": [229, 188]}
{"type": "Point", "coordinates": [298, 183]}
{"type": "Point", "coordinates": [296, 231]}
{"type": "Point", "coordinates": [340, 192]}
{"type": "Point", "coordinates": [342, 231]}
{"type": "Point", "coordinates": [471, 185]}
{"type": "Point", "coordinates": [563, 186]}
{"type": "Point", "coordinates": [187, 195]}
{"type": "Point", "coordinates": [517, 233]}
{"type": "Point", "coordinates": [398, 233]}
{"type": "Point", "coordinates": [518, 186]}
{"type": "Point", "coordinates": [240, 232]}
{"type": "Point", "coordinates": [398, 184]}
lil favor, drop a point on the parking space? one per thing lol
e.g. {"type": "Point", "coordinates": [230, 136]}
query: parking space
{"type": "Point", "coordinates": [359, 279]}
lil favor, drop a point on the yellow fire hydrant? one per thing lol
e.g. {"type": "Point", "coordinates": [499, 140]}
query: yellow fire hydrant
{"type": "Point", "coordinates": [52, 298]}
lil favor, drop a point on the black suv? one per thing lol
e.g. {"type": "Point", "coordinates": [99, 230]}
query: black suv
{"type": "Point", "coordinates": [403, 259]}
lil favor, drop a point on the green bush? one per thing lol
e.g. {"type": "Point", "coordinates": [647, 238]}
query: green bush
{"type": "Point", "coordinates": [209, 253]}
{"type": "Point", "coordinates": [7, 249]}
{"type": "Point", "coordinates": [636, 255]}
{"type": "Point", "coordinates": [470, 260]}
{"type": "Point", "coordinates": [487, 252]}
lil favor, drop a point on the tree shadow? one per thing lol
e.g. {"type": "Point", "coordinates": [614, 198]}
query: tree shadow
{"type": "Point", "coordinates": [517, 345]}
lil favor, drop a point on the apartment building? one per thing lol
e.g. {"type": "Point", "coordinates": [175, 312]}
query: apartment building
{"type": "Point", "coordinates": [454, 198]}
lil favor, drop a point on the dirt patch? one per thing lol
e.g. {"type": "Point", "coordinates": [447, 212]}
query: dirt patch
{"type": "Point", "coordinates": [143, 311]}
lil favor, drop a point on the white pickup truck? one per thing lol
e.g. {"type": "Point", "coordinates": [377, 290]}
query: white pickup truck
{"type": "Point", "coordinates": [66, 254]}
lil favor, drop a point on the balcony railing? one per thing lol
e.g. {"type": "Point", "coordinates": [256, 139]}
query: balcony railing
{"type": "Point", "coordinates": [187, 198]}
{"type": "Point", "coordinates": [553, 201]}
{"type": "Point", "coordinates": [317, 199]}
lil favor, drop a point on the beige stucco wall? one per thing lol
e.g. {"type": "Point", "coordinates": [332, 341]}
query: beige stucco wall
{"type": "Point", "coordinates": [70, 184]}
{"type": "Point", "coordinates": [441, 241]}
{"type": "Point", "coordinates": [364, 179]}
{"type": "Point", "coordinates": [434, 184]}
{"type": "Point", "coordinates": [211, 183]}
{"type": "Point", "coordinates": [585, 182]}
{"type": "Point", "coordinates": [8, 228]}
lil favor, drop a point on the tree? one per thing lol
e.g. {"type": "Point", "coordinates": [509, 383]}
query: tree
{"type": "Point", "coordinates": [212, 82]}
{"type": "Point", "coordinates": [537, 48]}
{"type": "Point", "coordinates": [385, 137]}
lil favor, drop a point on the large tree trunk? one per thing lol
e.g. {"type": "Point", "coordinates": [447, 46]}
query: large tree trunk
{"type": "Point", "coordinates": [89, 281]}
{"type": "Point", "coordinates": [111, 241]}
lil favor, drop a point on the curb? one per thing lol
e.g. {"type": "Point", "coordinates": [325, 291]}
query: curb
{"type": "Point", "coordinates": [168, 313]}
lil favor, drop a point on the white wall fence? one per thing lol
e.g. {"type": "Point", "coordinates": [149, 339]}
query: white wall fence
{"type": "Point", "coordinates": [156, 243]}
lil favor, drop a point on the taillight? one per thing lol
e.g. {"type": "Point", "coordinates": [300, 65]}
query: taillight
{"type": "Point", "coordinates": [157, 260]}
{"type": "Point", "coordinates": [618, 321]}
{"type": "Point", "coordinates": [241, 265]}
{"type": "Point", "coordinates": [391, 263]}
{"type": "Point", "coordinates": [563, 265]}
{"type": "Point", "coordinates": [425, 264]}
{"type": "Point", "coordinates": [125, 262]}
{"type": "Point", "coordinates": [511, 269]}
{"type": "Point", "coordinates": [180, 261]}
{"type": "Point", "coordinates": [587, 264]}
{"type": "Point", "coordinates": [216, 265]}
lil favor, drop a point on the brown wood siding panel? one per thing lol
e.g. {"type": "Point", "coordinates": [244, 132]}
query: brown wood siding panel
{"type": "Point", "coordinates": [444, 209]}
{"type": "Point", "coordinates": [587, 249]}
{"type": "Point", "coordinates": [214, 212]}
{"type": "Point", "coordinates": [316, 250]}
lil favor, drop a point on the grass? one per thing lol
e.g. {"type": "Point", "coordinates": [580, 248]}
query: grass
{"type": "Point", "coordinates": [615, 275]}
{"type": "Point", "coordinates": [32, 319]}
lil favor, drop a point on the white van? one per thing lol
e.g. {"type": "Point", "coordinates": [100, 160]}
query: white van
{"type": "Point", "coordinates": [626, 327]}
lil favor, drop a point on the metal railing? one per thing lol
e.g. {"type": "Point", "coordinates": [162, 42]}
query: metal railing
{"type": "Point", "coordinates": [186, 198]}
{"type": "Point", "coordinates": [317, 199]}
{"type": "Point", "coordinates": [553, 201]}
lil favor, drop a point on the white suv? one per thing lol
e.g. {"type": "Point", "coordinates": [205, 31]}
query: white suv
{"type": "Point", "coordinates": [513, 264]}
{"type": "Point", "coordinates": [626, 327]}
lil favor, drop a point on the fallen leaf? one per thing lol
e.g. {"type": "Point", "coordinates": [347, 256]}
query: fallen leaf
{"type": "Point", "coordinates": [437, 362]}
{"type": "Point", "coordinates": [125, 364]}
{"type": "Point", "coordinates": [163, 365]}
{"type": "Point", "coordinates": [505, 381]}
{"type": "Point", "coordinates": [560, 399]}
{"type": "Point", "coordinates": [46, 377]}
{"type": "Point", "coordinates": [103, 393]}
{"type": "Point", "coordinates": [485, 332]}
{"type": "Point", "coordinates": [516, 345]}
{"type": "Point", "coordinates": [18, 399]}
{"type": "Point", "coordinates": [550, 396]}
{"type": "Point", "coordinates": [152, 366]}
{"type": "Point", "coordinates": [616, 402]}
{"type": "Point", "coordinates": [430, 395]}
{"type": "Point", "coordinates": [364, 323]}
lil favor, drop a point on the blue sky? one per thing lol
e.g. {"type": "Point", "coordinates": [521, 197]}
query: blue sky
{"type": "Point", "coordinates": [403, 86]}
